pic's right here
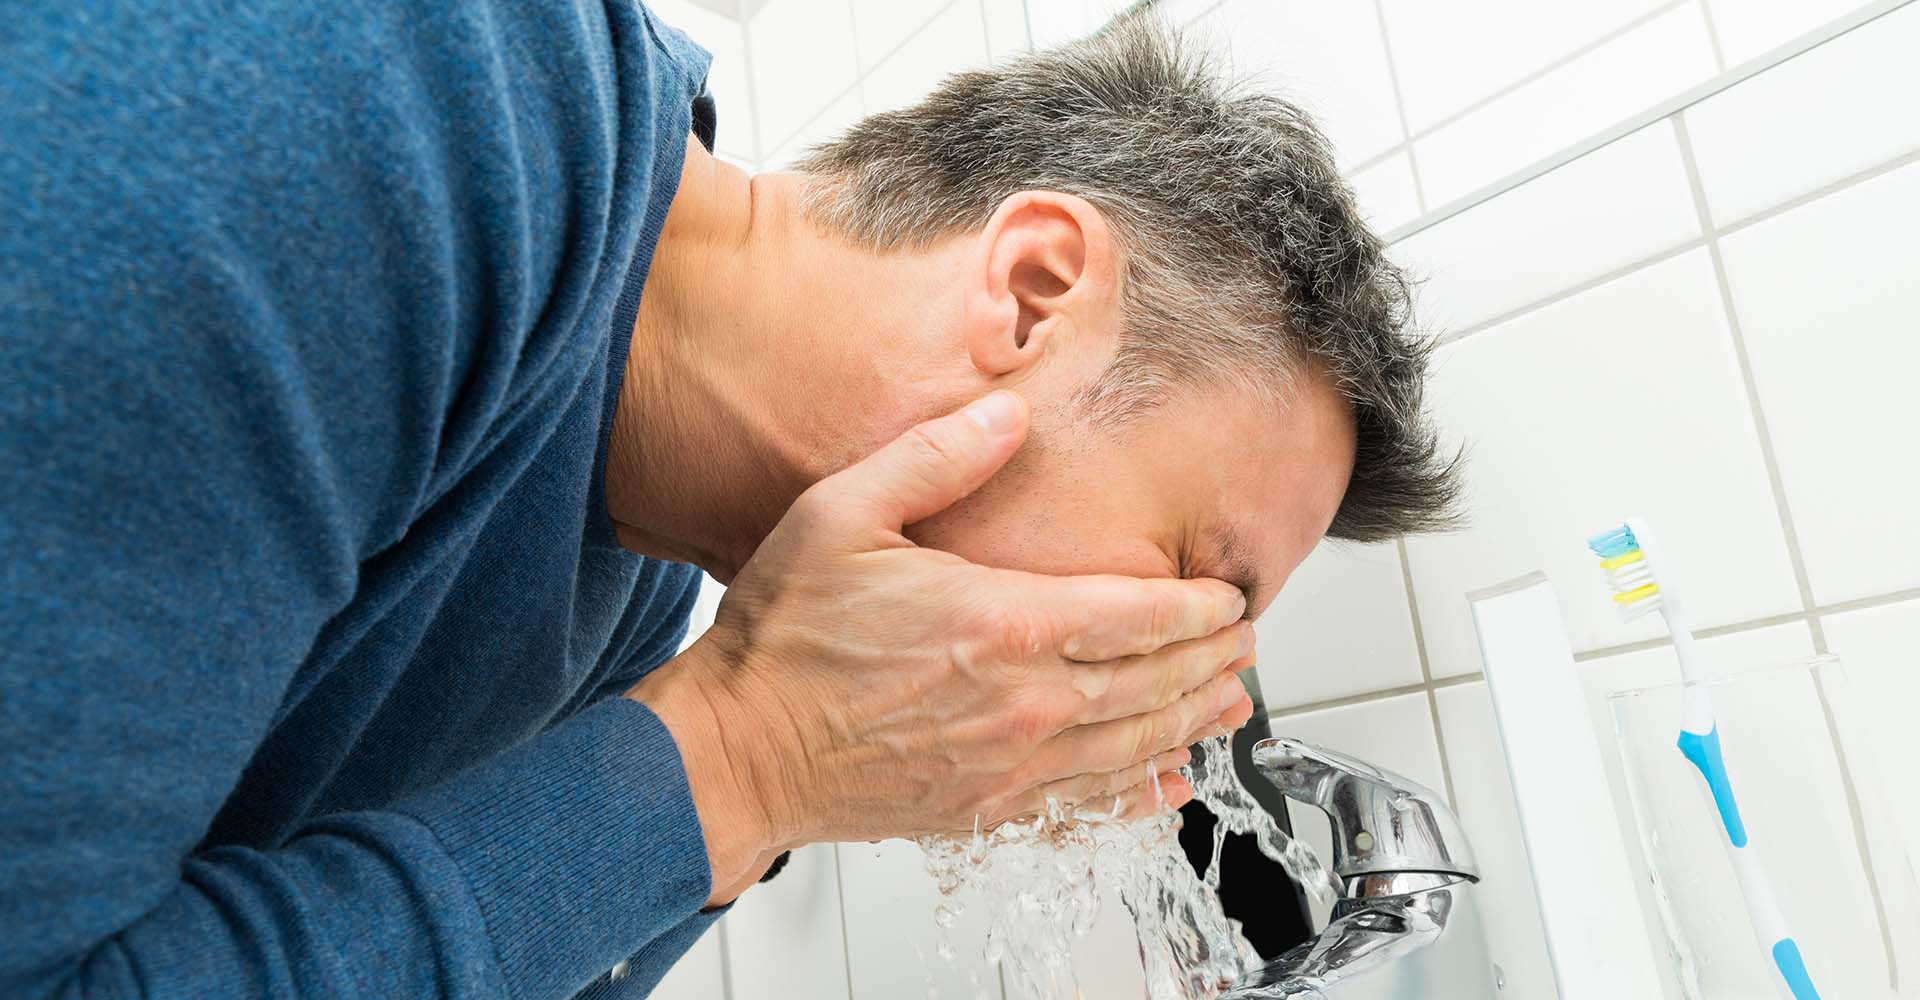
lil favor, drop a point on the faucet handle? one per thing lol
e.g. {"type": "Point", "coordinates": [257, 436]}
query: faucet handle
{"type": "Point", "coordinates": [1383, 823]}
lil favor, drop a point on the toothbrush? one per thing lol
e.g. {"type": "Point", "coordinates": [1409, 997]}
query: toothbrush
{"type": "Point", "coordinates": [1642, 581]}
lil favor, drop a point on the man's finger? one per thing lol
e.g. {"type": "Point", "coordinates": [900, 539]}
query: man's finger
{"type": "Point", "coordinates": [1168, 793]}
{"type": "Point", "coordinates": [930, 467]}
{"type": "Point", "coordinates": [1097, 792]}
{"type": "Point", "coordinates": [1111, 746]}
{"type": "Point", "coordinates": [1132, 685]}
{"type": "Point", "coordinates": [1108, 617]}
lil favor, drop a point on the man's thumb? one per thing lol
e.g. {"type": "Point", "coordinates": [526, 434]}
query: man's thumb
{"type": "Point", "coordinates": [933, 464]}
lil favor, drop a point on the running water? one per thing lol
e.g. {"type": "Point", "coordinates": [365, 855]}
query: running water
{"type": "Point", "coordinates": [1040, 880]}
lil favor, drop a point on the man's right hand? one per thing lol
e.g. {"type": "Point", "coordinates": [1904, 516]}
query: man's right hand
{"type": "Point", "coordinates": [855, 686]}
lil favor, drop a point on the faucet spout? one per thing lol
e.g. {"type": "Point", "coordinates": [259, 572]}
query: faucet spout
{"type": "Point", "coordinates": [1406, 925]}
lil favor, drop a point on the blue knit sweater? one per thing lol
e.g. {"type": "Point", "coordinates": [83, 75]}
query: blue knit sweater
{"type": "Point", "coordinates": [312, 623]}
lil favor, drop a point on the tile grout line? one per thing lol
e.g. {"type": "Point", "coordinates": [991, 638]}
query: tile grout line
{"type": "Point", "coordinates": [726, 960]}
{"type": "Point", "coordinates": [846, 940]}
{"type": "Point", "coordinates": [1505, 90]}
{"type": "Point", "coordinates": [1794, 555]}
{"type": "Point", "coordinates": [1713, 36]}
{"type": "Point", "coordinates": [1660, 256]}
{"type": "Point", "coordinates": [1619, 649]}
{"type": "Point", "coordinates": [1534, 77]}
{"type": "Point", "coordinates": [1426, 671]}
{"type": "Point", "coordinates": [1572, 291]}
{"type": "Point", "coordinates": [1788, 50]}
{"type": "Point", "coordinates": [753, 97]}
{"type": "Point", "coordinates": [1400, 107]}
{"type": "Point", "coordinates": [1757, 411]}
{"type": "Point", "coordinates": [860, 71]}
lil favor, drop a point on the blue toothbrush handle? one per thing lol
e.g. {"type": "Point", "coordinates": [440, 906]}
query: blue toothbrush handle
{"type": "Point", "coordinates": [1704, 753]}
{"type": "Point", "coordinates": [1786, 957]}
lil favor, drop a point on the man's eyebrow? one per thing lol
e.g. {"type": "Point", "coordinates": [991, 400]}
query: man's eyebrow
{"type": "Point", "coordinates": [1235, 564]}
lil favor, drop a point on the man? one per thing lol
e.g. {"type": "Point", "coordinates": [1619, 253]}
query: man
{"type": "Point", "coordinates": [365, 364]}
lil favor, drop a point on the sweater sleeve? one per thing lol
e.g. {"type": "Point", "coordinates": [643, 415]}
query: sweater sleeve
{"type": "Point", "coordinates": [269, 274]}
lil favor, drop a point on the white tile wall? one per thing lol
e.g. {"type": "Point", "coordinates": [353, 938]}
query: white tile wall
{"type": "Point", "coordinates": [1006, 28]}
{"type": "Point", "coordinates": [697, 976]}
{"type": "Point", "coordinates": [1825, 297]}
{"type": "Point", "coordinates": [1548, 385]}
{"type": "Point", "coordinates": [1880, 648]}
{"type": "Point", "coordinates": [1621, 400]}
{"type": "Point", "coordinates": [1386, 192]}
{"type": "Point", "coordinates": [879, 26]}
{"type": "Point", "coordinates": [803, 57]}
{"type": "Point", "coordinates": [1328, 58]}
{"type": "Point", "coordinates": [1574, 100]}
{"type": "Point", "coordinates": [1452, 55]}
{"type": "Point", "coordinates": [892, 942]}
{"type": "Point", "coordinates": [956, 38]}
{"type": "Point", "coordinates": [1055, 21]}
{"type": "Point", "coordinates": [1339, 627]}
{"type": "Point", "coordinates": [830, 122]}
{"type": "Point", "coordinates": [784, 938]}
{"type": "Point", "coordinates": [1618, 205]}
{"type": "Point", "coordinates": [1748, 28]}
{"type": "Point", "coordinates": [1821, 116]}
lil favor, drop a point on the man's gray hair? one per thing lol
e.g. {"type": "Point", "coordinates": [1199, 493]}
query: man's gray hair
{"type": "Point", "coordinates": [1246, 263]}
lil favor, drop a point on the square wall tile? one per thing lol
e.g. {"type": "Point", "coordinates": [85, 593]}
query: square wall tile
{"type": "Point", "coordinates": [1880, 648]}
{"type": "Point", "coordinates": [879, 26]}
{"type": "Point", "coordinates": [784, 938]}
{"type": "Point", "coordinates": [1750, 28]}
{"type": "Point", "coordinates": [726, 78]}
{"type": "Point", "coordinates": [1486, 809]}
{"type": "Point", "coordinates": [803, 57]}
{"type": "Point", "coordinates": [892, 940]}
{"type": "Point", "coordinates": [1328, 58]}
{"type": "Point", "coordinates": [1386, 193]}
{"type": "Point", "coordinates": [1819, 117]}
{"type": "Point", "coordinates": [1394, 733]}
{"type": "Point", "coordinates": [1740, 651]}
{"type": "Point", "coordinates": [697, 975]}
{"type": "Point", "coordinates": [1825, 299]}
{"type": "Point", "coordinates": [1625, 399]}
{"type": "Point", "coordinates": [954, 41]}
{"type": "Point", "coordinates": [1565, 105]}
{"type": "Point", "coordinates": [1618, 204]}
{"type": "Point", "coordinates": [1339, 627]}
{"type": "Point", "coordinates": [1006, 28]}
{"type": "Point", "coordinates": [1451, 55]}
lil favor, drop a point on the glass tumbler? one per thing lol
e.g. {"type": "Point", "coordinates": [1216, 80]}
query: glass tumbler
{"type": "Point", "coordinates": [1813, 806]}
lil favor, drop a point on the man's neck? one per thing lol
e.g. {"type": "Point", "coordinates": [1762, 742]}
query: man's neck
{"type": "Point", "coordinates": [690, 414]}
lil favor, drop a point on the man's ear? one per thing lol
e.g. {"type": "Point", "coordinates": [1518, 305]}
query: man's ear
{"type": "Point", "coordinates": [1043, 273]}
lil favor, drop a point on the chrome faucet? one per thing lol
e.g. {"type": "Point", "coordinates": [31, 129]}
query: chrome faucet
{"type": "Point", "coordinates": [1405, 925]}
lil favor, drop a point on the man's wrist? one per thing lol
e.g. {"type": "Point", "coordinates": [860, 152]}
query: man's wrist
{"type": "Point", "coordinates": [734, 819]}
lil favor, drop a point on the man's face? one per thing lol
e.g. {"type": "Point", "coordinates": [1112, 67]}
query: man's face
{"type": "Point", "coordinates": [1207, 484]}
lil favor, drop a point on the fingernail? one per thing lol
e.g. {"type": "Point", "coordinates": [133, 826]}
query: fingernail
{"type": "Point", "coordinates": [996, 413]}
{"type": "Point", "coordinates": [1246, 641]}
{"type": "Point", "coordinates": [1230, 694]}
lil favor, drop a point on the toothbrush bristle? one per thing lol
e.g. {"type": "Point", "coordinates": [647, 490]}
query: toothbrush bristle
{"type": "Point", "coordinates": [1635, 591]}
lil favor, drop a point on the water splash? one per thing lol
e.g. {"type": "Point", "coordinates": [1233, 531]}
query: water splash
{"type": "Point", "coordinates": [1040, 880]}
